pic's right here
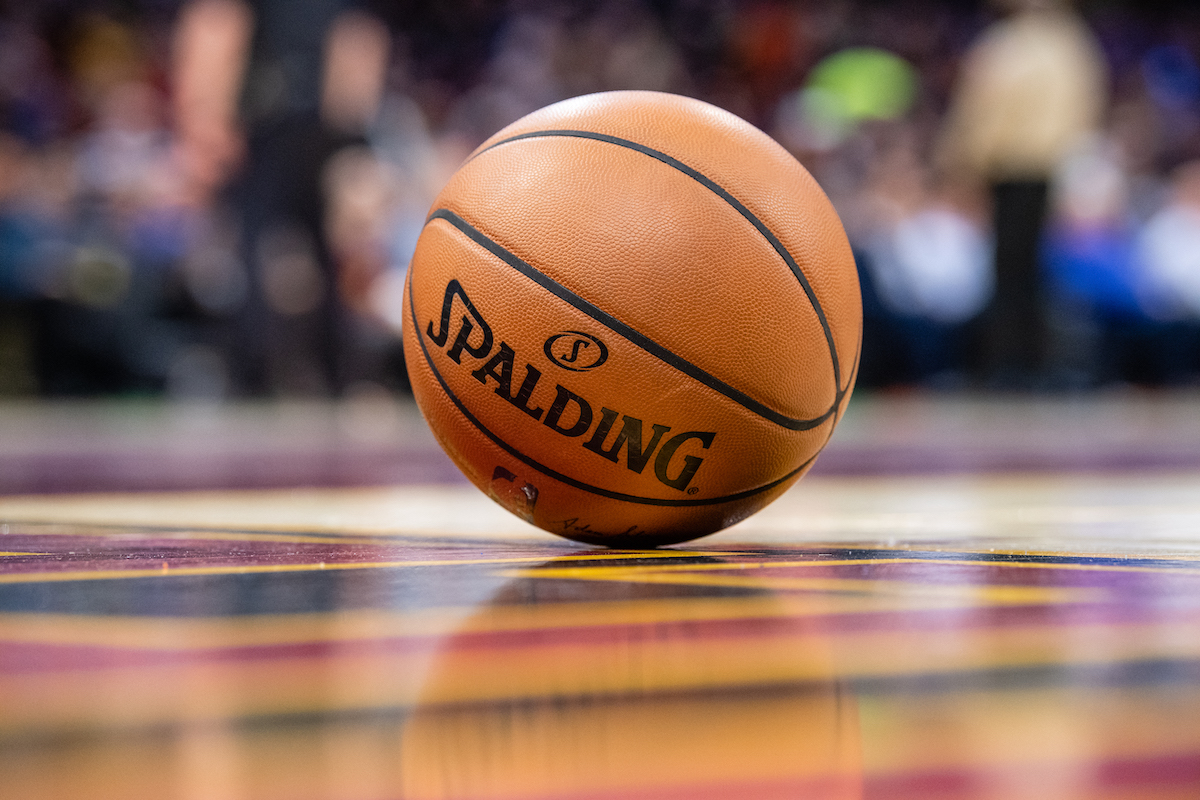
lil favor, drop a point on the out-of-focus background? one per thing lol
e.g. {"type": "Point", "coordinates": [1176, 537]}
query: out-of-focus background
{"type": "Point", "coordinates": [235, 564]}
{"type": "Point", "coordinates": [217, 199]}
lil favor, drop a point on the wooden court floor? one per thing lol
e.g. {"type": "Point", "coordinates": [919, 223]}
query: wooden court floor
{"type": "Point", "coordinates": [969, 599]}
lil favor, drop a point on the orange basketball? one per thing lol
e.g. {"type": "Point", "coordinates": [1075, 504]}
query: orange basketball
{"type": "Point", "coordinates": [632, 319]}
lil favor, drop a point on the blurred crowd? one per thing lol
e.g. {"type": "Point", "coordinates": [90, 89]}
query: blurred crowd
{"type": "Point", "coordinates": [219, 198]}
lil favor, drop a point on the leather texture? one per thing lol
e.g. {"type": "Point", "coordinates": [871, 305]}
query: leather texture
{"type": "Point", "coordinates": [690, 248]}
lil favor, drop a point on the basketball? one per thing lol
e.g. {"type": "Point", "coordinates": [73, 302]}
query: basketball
{"type": "Point", "coordinates": [632, 319]}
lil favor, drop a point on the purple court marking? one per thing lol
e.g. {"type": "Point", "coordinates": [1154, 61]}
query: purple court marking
{"type": "Point", "coordinates": [103, 551]}
{"type": "Point", "coordinates": [1019, 456]}
{"type": "Point", "coordinates": [1176, 771]}
{"type": "Point", "coordinates": [133, 471]}
{"type": "Point", "coordinates": [97, 448]}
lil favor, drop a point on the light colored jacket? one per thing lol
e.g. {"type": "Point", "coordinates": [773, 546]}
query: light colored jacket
{"type": "Point", "coordinates": [1029, 89]}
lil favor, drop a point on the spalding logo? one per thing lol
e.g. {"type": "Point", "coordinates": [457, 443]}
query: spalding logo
{"type": "Point", "coordinates": [499, 365]}
{"type": "Point", "coordinates": [575, 350]}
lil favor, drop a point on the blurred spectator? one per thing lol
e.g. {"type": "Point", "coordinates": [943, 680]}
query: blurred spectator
{"type": "Point", "coordinates": [284, 85]}
{"type": "Point", "coordinates": [1089, 264]}
{"type": "Point", "coordinates": [926, 270]}
{"type": "Point", "coordinates": [214, 197]}
{"type": "Point", "coordinates": [521, 77]}
{"type": "Point", "coordinates": [1168, 252]}
{"type": "Point", "coordinates": [1031, 87]}
{"type": "Point", "coordinates": [1169, 247]}
{"type": "Point", "coordinates": [18, 242]}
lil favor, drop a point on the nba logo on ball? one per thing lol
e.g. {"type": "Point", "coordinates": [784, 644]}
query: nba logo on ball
{"type": "Point", "coordinates": [632, 319]}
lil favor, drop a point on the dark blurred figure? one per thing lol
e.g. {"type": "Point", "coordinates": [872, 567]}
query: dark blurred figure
{"type": "Point", "coordinates": [1030, 88]}
{"type": "Point", "coordinates": [90, 222]}
{"type": "Point", "coordinates": [267, 93]}
{"type": "Point", "coordinates": [925, 269]}
{"type": "Point", "coordinates": [1168, 254]}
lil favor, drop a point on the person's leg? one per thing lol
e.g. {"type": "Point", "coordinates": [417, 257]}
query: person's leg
{"type": "Point", "coordinates": [1015, 336]}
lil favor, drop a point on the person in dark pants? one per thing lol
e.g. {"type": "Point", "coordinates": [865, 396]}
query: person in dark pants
{"type": "Point", "coordinates": [1030, 89]}
{"type": "Point", "coordinates": [1015, 325]}
{"type": "Point", "coordinates": [267, 91]}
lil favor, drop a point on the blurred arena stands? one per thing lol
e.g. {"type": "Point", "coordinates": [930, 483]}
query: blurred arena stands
{"type": "Point", "coordinates": [218, 198]}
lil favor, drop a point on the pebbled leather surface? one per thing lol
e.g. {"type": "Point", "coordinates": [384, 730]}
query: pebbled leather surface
{"type": "Point", "coordinates": [746, 162]}
{"type": "Point", "coordinates": [663, 254]}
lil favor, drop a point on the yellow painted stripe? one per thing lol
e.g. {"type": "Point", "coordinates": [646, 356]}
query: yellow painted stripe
{"type": "Point", "coordinates": [965, 546]}
{"type": "Point", "coordinates": [167, 570]}
{"type": "Point", "coordinates": [101, 531]}
{"type": "Point", "coordinates": [832, 562]}
{"type": "Point", "coordinates": [637, 574]}
{"type": "Point", "coordinates": [985, 594]}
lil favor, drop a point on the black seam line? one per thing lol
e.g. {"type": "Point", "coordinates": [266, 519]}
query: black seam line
{"type": "Point", "coordinates": [515, 453]}
{"type": "Point", "coordinates": [620, 328]}
{"type": "Point", "coordinates": [850, 377]}
{"type": "Point", "coordinates": [724, 194]}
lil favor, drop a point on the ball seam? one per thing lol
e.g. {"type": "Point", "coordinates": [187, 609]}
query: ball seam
{"type": "Point", "coordinates": [726, 196]}
{"type": "Point", "coordinates": [631, 334]}
{"type": "Point", "coordinates": [566, 479]}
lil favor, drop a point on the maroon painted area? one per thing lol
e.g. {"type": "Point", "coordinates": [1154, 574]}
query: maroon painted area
{"type": "Point", "coordinates": [131, 470]}
{"type": "Point", "coordinates": [160, 449]}
{"type": "Point", "coordinates": [25, 657]}
{"type": "Point", "coordinates": [157, 470]}
{"type": "Point", "coordinates": [1019, 455]}
{"type": "Point", "coordinates": [1176, 771]}
{"type": "Point", "coordinates": [36, 658]}
{"type": "Point", "coordinates": [941, 785]}
{"type": "Point", "coordinates": [131, 550]}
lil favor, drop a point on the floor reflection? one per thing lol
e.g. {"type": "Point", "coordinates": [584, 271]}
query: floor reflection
{"type": "Point", "coordinates": [221, 665]}
{"type": "Point", "coordinates": [642, 705]}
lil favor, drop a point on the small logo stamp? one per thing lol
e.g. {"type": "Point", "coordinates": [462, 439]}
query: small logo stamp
{"type": "Point", "coordinates": [575, 350]}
